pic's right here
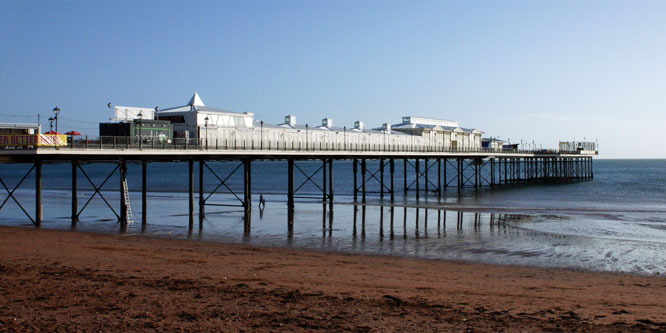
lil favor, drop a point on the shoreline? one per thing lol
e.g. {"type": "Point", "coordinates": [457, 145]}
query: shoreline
{"type": "Point", "coordinates": [54, 279]}
{"type": "Point", "coordinates": [298, 248]}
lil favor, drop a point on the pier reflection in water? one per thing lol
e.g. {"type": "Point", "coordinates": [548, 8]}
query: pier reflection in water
{"type": "Point", "coordinates": [379, 223]}
{"type": "Point", "coordinates": [376, 228]}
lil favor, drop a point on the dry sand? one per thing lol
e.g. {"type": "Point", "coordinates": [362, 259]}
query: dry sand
{"type": "Point", "coordinates": [64, 281]}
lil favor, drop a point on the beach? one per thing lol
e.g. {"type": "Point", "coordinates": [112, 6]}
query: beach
{"type": "Point", "coordinates": [60, 280]}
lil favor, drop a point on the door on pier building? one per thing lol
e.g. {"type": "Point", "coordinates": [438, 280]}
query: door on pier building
{"type": "Point", "coordinates": [454, 144]}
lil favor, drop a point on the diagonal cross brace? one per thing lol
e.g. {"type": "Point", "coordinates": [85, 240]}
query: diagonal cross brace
{"type": "Point", "coordinates": [373, 175]}
{"type": "Point", "coordinates": [97, 190]}
{"type": "Point", "coordinates": [467, 179]}
{"type": "Point", "coordinates": [422, 174]}
{"type": "Point", "coordinates": [308, 178]}
{"type": "Point", "coordinates": [455, 177]}
{"type": "Point", "coordinates": [11, 194]}
{"type": "Point", "coordinates": [223, 182]}
{"type": "Point", "coordinates": [482, 178]}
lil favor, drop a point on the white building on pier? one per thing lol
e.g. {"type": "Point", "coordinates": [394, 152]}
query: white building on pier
{"type": "Point", "coordinates": [223, 128]}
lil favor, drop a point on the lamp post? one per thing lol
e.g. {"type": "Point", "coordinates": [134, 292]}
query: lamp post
{"type": "Point", "coordinates": [261, 136]}
{"type": "Point", "coordinates": [345, 136]}
{"type": "Point", "coordinates": [306, 136]}
{"type": "Point", "coordinates": [206, 124]}
{"type": "Point", "coordinates": [56, 110]}
{"type": "Point", "coordinates": [51, 123]}
{"type": "Point", "coordinates": [140, 126]}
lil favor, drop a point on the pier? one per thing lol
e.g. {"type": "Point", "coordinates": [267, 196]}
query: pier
{"type": "Point", "coordinates": [431, 170]}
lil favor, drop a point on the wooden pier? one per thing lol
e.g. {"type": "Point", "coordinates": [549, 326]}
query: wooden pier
{"type": "Point", "coordinates": [472, 169]}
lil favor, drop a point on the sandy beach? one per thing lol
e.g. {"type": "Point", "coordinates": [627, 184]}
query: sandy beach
{"type": "Point", "coordinates": [59, 280]}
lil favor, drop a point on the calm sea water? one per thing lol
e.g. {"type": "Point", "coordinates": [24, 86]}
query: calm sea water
{"type": "Point", "coordinates": [616, 222]}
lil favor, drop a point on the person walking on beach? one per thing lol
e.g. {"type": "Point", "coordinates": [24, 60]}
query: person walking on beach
{"type": "Point", "coordinates": [262, 202]}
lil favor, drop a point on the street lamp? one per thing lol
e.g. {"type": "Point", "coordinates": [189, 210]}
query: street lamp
{"type": "Point", "coordinates": [56, 110]}
{"type": "Point", "coordinates": [206, 124]}
{"type": "Point", "coordinates": [306, 136]}
{"type": "Point", "coordinates": [261, 137]}
{"type": "Point", "coordinates": [140, 127]}
{"type": "Point", "coordinates": [345, 136]}
{"type": "Point", "coordinates": [51, 123]}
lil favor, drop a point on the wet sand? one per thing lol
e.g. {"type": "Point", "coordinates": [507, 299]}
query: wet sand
{"type": "Point", "coordinates": [59, 280]}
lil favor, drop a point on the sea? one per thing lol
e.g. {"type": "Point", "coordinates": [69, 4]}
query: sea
{"type": "Point", "coordinates": [613, 223]}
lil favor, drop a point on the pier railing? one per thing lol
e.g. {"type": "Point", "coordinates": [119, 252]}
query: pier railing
{"type": "Point", "coordinates": [201, 144]}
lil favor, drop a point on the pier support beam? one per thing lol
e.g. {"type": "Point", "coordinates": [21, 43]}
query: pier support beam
{"type": "Point", "coordinates": [404, 176]}
{"type": "Point", "coordinates": [476, 174]}
{"type": "Point", "coordinates": [290, 186]}
{"type": "Point", "coordinates": [492, 172]}
{"type": "Point", "coordinates": [38, 194]}
{"type": "Point", "coordinates": [330, 184]}
{"type": "Point", "coordinates": [247, 193]}
{"type": "Point", "coordinates": [75, 197]}
{"type": "Point", "coordinates": [427, 179]}
{"type": "Point", "coordinates": [190, 165]}
{"type": "Point", "coordinates": [324, 191]}
{"type": "Point", "coordinates": [460, 174]}
{"type": "Point", "coordinates": [355, 170]}
{"type": "Point", "coordinates": [439, 177]}
{"type": "Point", "coordinates": [381, 179]}
{"type": "Point", "coordinates": [417, 168]}
{"type": "Point", "coordinates": [144, 193]}
{"type": "Point", "coordinates": [392, 166]}
{"type": "Point", "coordinates": [364, 180]}
{"type": "Point", "coordinates": [202, 199]}
{"type": "Point", "coordinates": [446, 179]}
{"type": "Point", "coordinates": [123, 202]}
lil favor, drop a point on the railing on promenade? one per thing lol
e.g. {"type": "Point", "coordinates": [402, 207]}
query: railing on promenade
{"type": "Point", "coordinates": [201, 144]}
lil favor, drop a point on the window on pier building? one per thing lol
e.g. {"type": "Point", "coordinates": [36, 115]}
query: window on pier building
{"type": "Point", "coordinates": [173, 119]}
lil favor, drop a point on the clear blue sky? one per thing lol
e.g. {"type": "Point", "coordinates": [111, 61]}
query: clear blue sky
{"type": "Point", "coordinates": [531, 70]}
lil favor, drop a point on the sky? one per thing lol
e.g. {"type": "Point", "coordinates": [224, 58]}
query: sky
{"type": "Point", "coordinates": [537, 71]}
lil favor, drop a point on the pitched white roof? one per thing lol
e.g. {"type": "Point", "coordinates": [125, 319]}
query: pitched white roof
{"type": "Point", "coordinates": [196, 100]}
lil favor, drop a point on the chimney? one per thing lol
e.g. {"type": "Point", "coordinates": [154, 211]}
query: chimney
{"type": "Point", "coordinates": [386, 127]}
{"type": "Point", "coordinates": [358, 125]}
{"type": "Point", "coordinates": [327, 122]}
{"type": "Point", "coordinates": [290, 120]}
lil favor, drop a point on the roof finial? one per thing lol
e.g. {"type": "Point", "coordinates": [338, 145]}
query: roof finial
{"type": "Point", "coordinates": [196, 100]}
